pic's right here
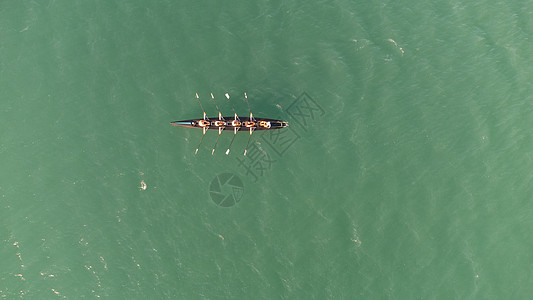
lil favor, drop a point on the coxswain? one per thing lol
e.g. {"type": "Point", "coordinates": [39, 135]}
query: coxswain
{"type": "Point", "coordinates": [264, 124]}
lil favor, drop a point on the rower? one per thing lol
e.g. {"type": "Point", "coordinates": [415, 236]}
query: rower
{"type": "Point", "coordinates": [236, 122]}
{"type": "Point", "coordinates": [219, 123]}
{"type": "Point", "coordinates": [249, 124]}
{"type": "Point", "coordinates": [204, 123]}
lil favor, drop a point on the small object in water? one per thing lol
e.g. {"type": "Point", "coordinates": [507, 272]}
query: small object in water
{"type": "Point", "coordinates": [143, 185]}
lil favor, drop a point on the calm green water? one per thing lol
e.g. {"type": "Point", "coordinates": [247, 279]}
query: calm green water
{"type": "Point", "coordinates": [406, 172]}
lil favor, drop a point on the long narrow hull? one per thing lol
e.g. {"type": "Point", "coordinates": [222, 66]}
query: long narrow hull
{"type": "Point", "coordinates": [234, 123]}
{"type": "Point", "coordinates": [229, 125]}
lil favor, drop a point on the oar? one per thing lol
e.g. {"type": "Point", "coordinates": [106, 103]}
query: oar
{"type": "Point", "coordinates": [219, 132]}
{"type": "Point", "coordinates": [219, 115]}
{"type": "Point", "coordinates": [234, 135]}
{"type": "Point", "coordinates": [203, 134]}
{"type": "Point", "coordinates": [205, 117]}
{"type": "Point", "coordinates": [233, 108]}
{"type": "Point", "coordinates": [249, 138]}
{"type": "Point", "coordinates": [251, 115]}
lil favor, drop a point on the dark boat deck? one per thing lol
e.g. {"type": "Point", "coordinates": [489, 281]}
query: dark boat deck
{"type": "Point", "coordinates": [194, 123]}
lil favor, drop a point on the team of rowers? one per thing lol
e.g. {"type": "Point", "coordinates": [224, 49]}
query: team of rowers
{"type": "Point", "coordinates": [233, 123]}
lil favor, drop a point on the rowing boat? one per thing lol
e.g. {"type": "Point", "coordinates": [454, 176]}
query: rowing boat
{"type": "Point", "coordinates": [268, 124]}
{"type": "Point", "coordinates": [233, 123]}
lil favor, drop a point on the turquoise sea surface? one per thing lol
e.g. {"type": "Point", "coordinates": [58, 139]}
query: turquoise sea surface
{"type": "Point", "coordinates": [406, 172]}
